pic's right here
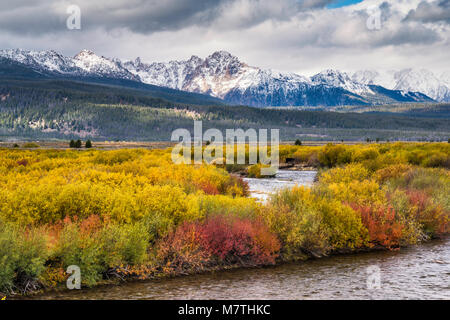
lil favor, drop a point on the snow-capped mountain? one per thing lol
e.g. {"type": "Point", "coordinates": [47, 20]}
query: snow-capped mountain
{"type": "Point", "coordinates": [224, 76]}
{"type": "Point", "coordinates": [84, 64]}
{"type": "Point", "coordinates": [445, 77]}
{"type": "Point", "coordinates": [90, 63]}
{"type": "Point", "coordinates": [217, 75]}
{"type": "Point", "coordinates": [422, 80]}
{"type": "Point", "coordinates": [340, 79]}
{"type": "Point", "coordinates": [50, 61]}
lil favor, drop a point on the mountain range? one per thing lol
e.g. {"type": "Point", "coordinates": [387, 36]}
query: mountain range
{"type": "Point", "coordinates": [222, 75]}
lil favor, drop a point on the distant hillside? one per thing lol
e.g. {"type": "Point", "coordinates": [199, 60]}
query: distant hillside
{"type": "Point", "coordinates": [418, 110]}
{"type": "Point", "coordinates": [63, 109]}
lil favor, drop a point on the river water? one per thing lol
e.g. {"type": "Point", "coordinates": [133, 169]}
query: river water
{"type": "Point", "coordinates": [262, 188]}
{"type": "Point", "coordinates": [419, 272]}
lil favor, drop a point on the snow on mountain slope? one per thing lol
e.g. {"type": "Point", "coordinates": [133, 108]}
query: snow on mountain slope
{"type": "Point", "coordinates": [171, 74]}
{"type": "Point", "coordinates": [336, 78]}
{"type": "Point", "coordinates": [371, 77]}
{"type": "Point", "coordinates": [406, 80]}
{"type": "Point", "coordinates": [445, 78]}
{"type": "Point", "coordinates": [44, 60]}
{"type": "Point", "coordinates": [216, 75]}
{"type": "Point", "coordinates": [224, 76]}
{"type": "Point", "coordinates": [85, 63]}
{"type": "Point", "coordinates": [101, 66]}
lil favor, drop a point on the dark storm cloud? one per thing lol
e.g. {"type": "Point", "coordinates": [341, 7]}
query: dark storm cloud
{"type": "Point", "coordinates": [41, 16]}
{"type": "Point", "coordinates": [438, 11]}
{"type": "Point", "coordinates": [151, 16]}
{"type": "Point", "coordinates": [141, 16]}
{"type": "Point", "coordinates": [30, 17]}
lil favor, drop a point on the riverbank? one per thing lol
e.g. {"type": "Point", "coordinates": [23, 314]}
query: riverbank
{"type": "Point", "coordinates": [416, 272]}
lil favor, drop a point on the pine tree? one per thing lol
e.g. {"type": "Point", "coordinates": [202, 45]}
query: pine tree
{"type": "Point", "coordinates": [88, 144]}
{"type": "Point", "coordinates": [78, 144]}
{"type": "Point", "coordinates": [72, 144]}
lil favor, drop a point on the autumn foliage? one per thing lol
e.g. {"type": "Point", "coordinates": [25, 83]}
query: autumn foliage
{"type": "Point", "coordinates": [134, 214]}
{"type": "Point", "coordinates": [219, 240]}
{"type": "Point", "coordinates": [383, 228]}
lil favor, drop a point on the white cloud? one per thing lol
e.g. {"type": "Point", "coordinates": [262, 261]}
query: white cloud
{"type": "Point", "coordinates": [289, 35]}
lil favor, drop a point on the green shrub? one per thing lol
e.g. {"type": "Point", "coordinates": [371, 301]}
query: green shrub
{"type": "Point", "coordinates": [82, 249]}
{"type": "Point", "coordinates": [124, 244]}
{"type": "Point", "coordinates": [254, 171]}
{"type": "Point", "coordinates": [332, 155]}
{"type": "Point", "coordinates": [30, 145]}
{"type": "Point", "coordinates": [23, 254]}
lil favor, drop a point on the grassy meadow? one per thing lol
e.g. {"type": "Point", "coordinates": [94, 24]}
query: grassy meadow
{"type": "Point", "coordinates": [133, 214]}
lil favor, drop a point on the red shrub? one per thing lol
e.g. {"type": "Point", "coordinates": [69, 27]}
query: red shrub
{"type": "Point", "coordinates": [433, 218]}
{"type": "Point", "coordinates": [384, 229]}
{"type": "Point", "coordinates": [229, 240]}
{"type": "Point", "coordinates": [418, 199]}
{"type": "Point", "coordinates": [208, 188]}
{"type": "Point", "coordinates": [239, 240]}
{"type": "Point", "coordinates": [181, 250]}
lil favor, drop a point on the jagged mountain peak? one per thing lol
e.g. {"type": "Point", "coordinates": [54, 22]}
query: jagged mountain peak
{"type": "Point", "coordinates": [336, 78]}
{"type": "Point", "coordinates": [195, 59]}
{"type": "Point", "coordinates": [84, 53]}
{"type": "Point", "coordinates": [223, 75]}
{"type": "Point", "coordinates": [331, 75]}
{"type": "Point", "coordinates": [222, 62]}
{"type": "Point", "coordinates": [222, 55]}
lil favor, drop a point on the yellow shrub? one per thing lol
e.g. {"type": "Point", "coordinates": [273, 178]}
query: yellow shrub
{"type": "Point", "coordinates": [357, 192]}
{"type": "Point", "coordinates": [349, 173]}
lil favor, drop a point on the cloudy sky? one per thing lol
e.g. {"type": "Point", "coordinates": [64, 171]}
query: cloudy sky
{"type": "Point", "coordinates": [304, 36]}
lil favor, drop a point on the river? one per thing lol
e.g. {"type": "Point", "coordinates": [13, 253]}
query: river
{"type": "Point", "coordinates": [262, 188]}
{"type": "Point", "coordinates": [418, 272]}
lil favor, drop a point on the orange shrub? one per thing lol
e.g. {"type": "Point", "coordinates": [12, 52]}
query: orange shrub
{"type": "Point", "coordinates": [181, 251]}
{"type": "Point", "coordinates": [433, 218]}
{"type": "Point", "coordinates": [207, 188]}
{"type": "Point", "coordinates": [382, 225]}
